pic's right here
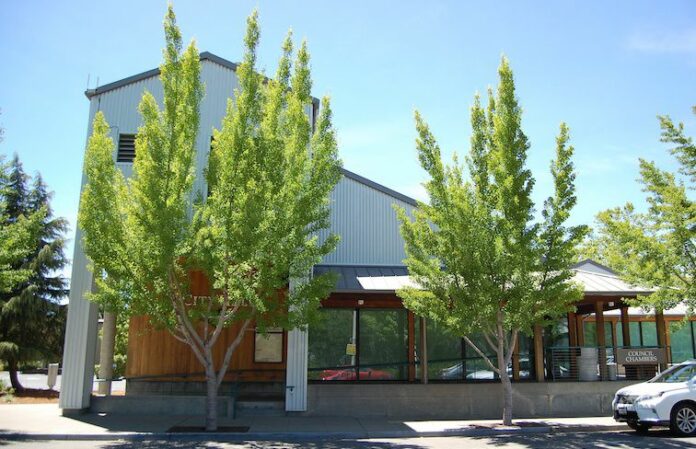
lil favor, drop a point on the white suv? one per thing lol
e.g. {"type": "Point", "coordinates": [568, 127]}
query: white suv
{"type": "Point", "coordinates": [668, 399]}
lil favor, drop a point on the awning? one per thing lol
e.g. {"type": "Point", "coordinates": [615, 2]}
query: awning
{"type": "Point", "coordinates": [373, 278]}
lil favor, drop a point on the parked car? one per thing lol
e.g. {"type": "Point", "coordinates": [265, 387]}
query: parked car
{"type": "Point", "coordinates": [668, 399]}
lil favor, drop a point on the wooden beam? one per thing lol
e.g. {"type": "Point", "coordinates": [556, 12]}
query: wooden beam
{"type": "Point", "coordinates": [625, 326]}
{"type": "Point", "coordinates": [661, 329]}
{"type": "Point", "coordinates": [411, 347]}
{"type": "Point", "coordinates": [580, 327]}
{"type": "Point", "coordinates": [538, 353]}
{"type": "Point", "coordinates": [601, 339]}
{"type": "Point", "coordinates": [424, 350]}
{"type": "Point", "coordinates": [516, 360]}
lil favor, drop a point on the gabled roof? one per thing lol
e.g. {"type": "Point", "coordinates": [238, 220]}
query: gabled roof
{"type": "Point", "coordinates": [594, 267]}
{"type": "Point", "coordinates": [379, 187]}
{"type": "Point", "coordinates": [205, 56]}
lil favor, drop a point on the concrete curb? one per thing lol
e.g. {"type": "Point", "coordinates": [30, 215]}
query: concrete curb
{"type": "Point", "coordinates": [215, 436]}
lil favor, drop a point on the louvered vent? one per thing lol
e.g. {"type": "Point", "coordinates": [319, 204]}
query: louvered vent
{"type": "Point", "coordinates": [126, 148]}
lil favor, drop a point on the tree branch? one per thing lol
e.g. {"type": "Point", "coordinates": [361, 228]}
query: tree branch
{"type": "Point", "coordinates": [483, 356]}
{"type": "Point", "coordinates": [230, 351]}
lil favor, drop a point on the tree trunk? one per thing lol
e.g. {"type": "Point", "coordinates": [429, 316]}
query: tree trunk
{"type": "Point", "coordinates": [211, 418]}
{"type": "Point", "coordinates": [502, 367]}
{"type": "Point", "coordinates": [14, 378]}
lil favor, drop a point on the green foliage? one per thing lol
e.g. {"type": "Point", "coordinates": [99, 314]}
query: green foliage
{"type": "Point", "coordinates": [268, 182]}
{"type": "Point", "coordinates": [32, 322]}
{"type": "Point", "coordinates": [480, 261]}
{"type": "Point", "coordinates": [657, 248]}
{"type": "Point", "coordinates": [474, 250]}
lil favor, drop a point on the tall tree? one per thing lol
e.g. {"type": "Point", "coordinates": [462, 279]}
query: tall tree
{"type": "Point", "coordinates": [480, 262]}
{"type": "Point", "coordinates": [268, 183]}
{"type": "Point", "coordinates": [657, 248]}
{"type": "Point", "coordinates": [28, 310]}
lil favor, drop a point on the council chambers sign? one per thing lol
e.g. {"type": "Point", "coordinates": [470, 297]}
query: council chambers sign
{"type": "Point", "coordinates": [641, 356]}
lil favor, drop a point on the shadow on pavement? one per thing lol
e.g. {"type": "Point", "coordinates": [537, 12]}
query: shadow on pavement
{"type": "Point", "coordinates": [314, 444]}
{"type": "Point", "coordinates": [655, 439]}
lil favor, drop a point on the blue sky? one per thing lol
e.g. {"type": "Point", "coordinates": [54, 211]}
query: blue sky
{"type": "Point", "coordinates": [605, 68]}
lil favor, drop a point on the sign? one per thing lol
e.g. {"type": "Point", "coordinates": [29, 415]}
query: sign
{"type": "Point", "coordinates": [641, 356]}
{"type": "Point", "coordinates": [350, 349]}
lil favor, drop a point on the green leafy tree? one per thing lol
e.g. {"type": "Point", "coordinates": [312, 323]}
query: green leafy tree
{"type": "Point", "coordinates": [29, 312]}
{"type": "Point", "coordinates": [657, 248]}
{"type": "Point", "coordinates": [480, 261]}
{"type": "Point", "coordinates": [268, 181]}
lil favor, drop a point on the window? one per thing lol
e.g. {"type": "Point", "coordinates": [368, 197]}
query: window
{"type": "Point", "coordinates": [359, 344]}
{"type": "Point", "coordinates": [681, 340]}
{"type": "Point", "coordinates": [126, 148]}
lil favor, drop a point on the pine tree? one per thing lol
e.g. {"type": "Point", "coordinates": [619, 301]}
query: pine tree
{"type": "Point", "coordinates": [253, 232]}
{"type": "Point", "coordinates": [481, 263]}
{"type": "Point", "coordinates": [29, 309]}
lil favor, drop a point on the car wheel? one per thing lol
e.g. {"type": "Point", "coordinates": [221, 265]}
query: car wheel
{"type": "Point", "coordinates": [683, 420]}
{"type": "Point", "coordinates": [640, 428]}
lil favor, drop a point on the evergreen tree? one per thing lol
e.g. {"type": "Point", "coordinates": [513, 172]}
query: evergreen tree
{"type": "Point", "coordinates": [482, 265]}
{"type": "Point", "coordinates": [254, 231]}
{"type": "Point", "coordinates": [29, 311]}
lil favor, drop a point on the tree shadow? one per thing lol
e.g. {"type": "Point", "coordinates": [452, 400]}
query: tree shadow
{"type": "Point", "coordinates": [263, 444]}
{"type": "Point", "coordinates": [655, 439]}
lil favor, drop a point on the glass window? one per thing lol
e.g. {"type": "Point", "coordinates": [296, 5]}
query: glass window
{"type": "Point", "coordinates": [680, 341]}
{"type": "Point", "coordinates": [634, 328]}
{"type": "Point", "coordinates": [332, 351]}
{"type": "Point", "coordinates": [649, 332]}
{"type": "Point", "coordinates": [383, 344]}
{"type": "Point", "coordinates": [444, 353]}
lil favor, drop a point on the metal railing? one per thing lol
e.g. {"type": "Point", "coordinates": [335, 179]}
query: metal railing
{"type": "Point", "coordinates": [582, 363]}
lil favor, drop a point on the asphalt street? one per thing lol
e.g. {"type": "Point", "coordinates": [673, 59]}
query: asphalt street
{"type": "Point", "coordinates": [589, 440]}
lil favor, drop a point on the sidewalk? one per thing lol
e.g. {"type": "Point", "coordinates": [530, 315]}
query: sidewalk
{"type": "Point", "coordinates": [44, 421]}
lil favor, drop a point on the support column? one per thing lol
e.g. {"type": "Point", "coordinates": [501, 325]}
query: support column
{"type": "Point", "coordinates": [411, 347]}
{"type": "Point", "coordinates": [538, 353]}
{"type": "Point", "coordinates": [580, 327]}
{"type": "Point", "coordinates": [424, 350]}
{"type": "Point", "coordinates": [80, 337]}
{"type": "Point", "coordinates": [601, 339]}
{"type": "Point", "coordinates": [516, 360]}
{"type": "Point", "coordinates": [661, 329]}
{"type": "Point", "coordinates": [296, 368]}
{"type": "Point", "coordinates": [106, 353]}
{"type": "Point", "coordinates": [296, 371]}
{"type": "Point", "coordinates": [625, 326]}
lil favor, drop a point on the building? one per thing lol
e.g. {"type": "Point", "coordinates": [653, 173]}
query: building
{"type": "Point", "coordinates": [370, 355]}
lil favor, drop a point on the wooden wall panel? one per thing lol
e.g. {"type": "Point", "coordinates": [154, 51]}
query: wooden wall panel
{"type": "Point", "coordinates": [156, 355]}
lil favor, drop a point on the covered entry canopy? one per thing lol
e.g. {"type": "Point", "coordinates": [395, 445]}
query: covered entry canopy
{"type": "Point", "coordinates": [596, 280]}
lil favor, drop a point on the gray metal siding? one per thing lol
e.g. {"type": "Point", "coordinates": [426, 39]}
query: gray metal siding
{"type": "Point", "coordinates": [366, 222]}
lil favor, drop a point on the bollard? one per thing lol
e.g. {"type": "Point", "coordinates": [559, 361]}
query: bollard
{"type": "Point", "coordinates": [52, 375]}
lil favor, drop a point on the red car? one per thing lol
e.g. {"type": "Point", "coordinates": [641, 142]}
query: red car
{"type": "Point", "coordinates": [349, 374]}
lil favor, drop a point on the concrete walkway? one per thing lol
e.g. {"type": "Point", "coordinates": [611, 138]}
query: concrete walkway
{"type": "Point", "coordinates": [44, 421]}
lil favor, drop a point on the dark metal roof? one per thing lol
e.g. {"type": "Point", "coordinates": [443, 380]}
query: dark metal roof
{"type": "Point", "coordinates": [348, 274]}
{"type": "Point", "coordinates": [205, 56]}
{"type": "Point", "coordinates": [379, 187]}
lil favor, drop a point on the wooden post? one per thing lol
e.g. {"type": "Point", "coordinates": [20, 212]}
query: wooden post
{"type": "Point", "coordinates": [601, 339]}
{"type": "Point", "coordinates": [661, 329]}
{"type": "Point", "coordinates": [538, 353]}
{"type": "Point", "coordinates": [411, 347]}
{"type": "Point", "coordinates": [580, 329]}
{"type": "Point", "coordinates": [424, 350]}
{"type": "Point", "coordinates": [625, 326]}
{"type": "Point", "coordinates": [573, 341]}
